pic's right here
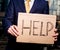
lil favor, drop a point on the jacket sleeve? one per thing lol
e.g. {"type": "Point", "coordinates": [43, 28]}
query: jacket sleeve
{"type": "Point", "coordinates": [46, 8]}
{"type": "Point", "coordinates": [9, 15]}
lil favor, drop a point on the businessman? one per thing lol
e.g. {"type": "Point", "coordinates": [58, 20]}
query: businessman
{"type": "Point", "coordinates": [10, 21]}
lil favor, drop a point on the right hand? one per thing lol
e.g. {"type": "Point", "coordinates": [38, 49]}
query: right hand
{"type": "Point", "coordinates": [13, 30]}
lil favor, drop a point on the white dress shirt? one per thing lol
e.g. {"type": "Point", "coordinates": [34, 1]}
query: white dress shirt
{"type": "Point", "coordinates": [31, 3]}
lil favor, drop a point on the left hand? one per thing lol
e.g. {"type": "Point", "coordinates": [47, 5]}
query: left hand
{"type": "Point", "coordinates": [55, 35]}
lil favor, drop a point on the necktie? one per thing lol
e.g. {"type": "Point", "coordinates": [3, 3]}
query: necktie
{"type": "Point", "coordinates": [27, 6]}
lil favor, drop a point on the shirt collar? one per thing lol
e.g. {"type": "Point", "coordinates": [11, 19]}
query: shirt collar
{"type": "Point", "coordinates": [25, 0]}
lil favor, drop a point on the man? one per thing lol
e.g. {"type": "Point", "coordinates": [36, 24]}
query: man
{"type": "Point", "coordinates": [10, 21]}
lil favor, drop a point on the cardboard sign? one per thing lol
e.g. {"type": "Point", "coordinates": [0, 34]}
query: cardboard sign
{"type": "Point", "coordinates": [36, 28]}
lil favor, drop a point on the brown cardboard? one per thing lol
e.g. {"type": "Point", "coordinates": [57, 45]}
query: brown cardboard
{"type": "Point", "coordinates": [36, 28]}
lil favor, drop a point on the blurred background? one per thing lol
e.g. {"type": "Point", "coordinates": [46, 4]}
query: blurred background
{"type": "Point", "coordinates": [54, 9]}
{"type": "Point", "coordinates": [3, 38]}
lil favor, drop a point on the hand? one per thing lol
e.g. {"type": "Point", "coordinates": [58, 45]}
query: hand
{"type": "Point", "coordinates": [13, 30]}
{"type": "Point", "coordinates": [55, 35]}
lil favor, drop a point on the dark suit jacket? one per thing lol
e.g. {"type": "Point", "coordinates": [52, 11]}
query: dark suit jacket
{"type": "Point", "coordinates": [15, 6]}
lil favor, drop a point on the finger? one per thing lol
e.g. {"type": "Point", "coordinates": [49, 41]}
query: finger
{"type": "Point", "coordinates": [56, 30]}
{"type": "Point", "coordinates": [9, 31]}
{"type": "Point", "coordinates": [55, 39]}
{"type": "Point", "coordinates": [13, 33]}
{"type": "Point", "coordinates": [14, 30]}
{"type": "Point", "coordinates": [55, 35]}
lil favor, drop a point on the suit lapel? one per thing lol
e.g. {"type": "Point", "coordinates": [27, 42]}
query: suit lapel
{"type": "Point", "coordinates": [22, 5]}
{"type": "Point", "coordinates": [34, 6]}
